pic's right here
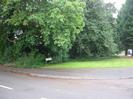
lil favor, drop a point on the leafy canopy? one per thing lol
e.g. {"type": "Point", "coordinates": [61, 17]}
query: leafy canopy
{"type": "Point", "coordinates": [53, 24]}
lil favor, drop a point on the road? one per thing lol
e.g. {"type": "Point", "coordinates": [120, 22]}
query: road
{"type": "Point", "coordinates": [14, 86]}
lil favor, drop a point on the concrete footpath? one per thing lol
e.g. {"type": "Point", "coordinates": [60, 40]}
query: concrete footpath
{"type": "Point", "coordinates": [79, 74]}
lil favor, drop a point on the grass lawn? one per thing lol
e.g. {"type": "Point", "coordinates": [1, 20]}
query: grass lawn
{"type": "Point", "coordinates": [95, 63]}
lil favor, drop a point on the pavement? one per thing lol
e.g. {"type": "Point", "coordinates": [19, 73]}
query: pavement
{"type": "Point", "coordinates": [20, 86]}
{"type": "Point", "coordinates": [79, 74]}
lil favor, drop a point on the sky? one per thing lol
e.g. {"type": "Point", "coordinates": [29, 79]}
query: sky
{"type": "Point", "coordinates": [118, 3]}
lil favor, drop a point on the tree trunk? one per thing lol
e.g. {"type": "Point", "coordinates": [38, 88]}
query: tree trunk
{"type": "Point", "coordinates": [126, 52]}
{"type": "Point", "coordinates": [132, 52]}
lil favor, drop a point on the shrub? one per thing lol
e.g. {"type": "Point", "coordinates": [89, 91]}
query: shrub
{"type": "Point", "coordinates": [30, 61]}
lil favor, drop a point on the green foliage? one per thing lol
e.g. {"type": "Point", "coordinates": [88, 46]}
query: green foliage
{"type": "Point", "coordinates": [97, 39]}
{"type": "Point", "coordinates": [53, 28]}
{"type": "Point", "coordinates": [52, 24]}
{"type": "Point", "coordinates": [30, 61]}
{"type": "Point", "coordinates": [125, 24]}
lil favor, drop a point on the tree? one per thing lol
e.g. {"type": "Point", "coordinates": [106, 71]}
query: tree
{"type": "Point", "coordinates": [97, 38]}
{"type": "Point", "coordinates": [51, 24]}
{"type": "Point", "coordinates": [125, 24]}
{"type": "Point", "coordinates": [56, 27]}
{"type": "Point", "coordinates": [2, 30]}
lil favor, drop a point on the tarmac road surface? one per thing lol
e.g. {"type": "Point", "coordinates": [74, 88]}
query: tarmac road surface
{"type": "Point", "coordinates": [15, 86]}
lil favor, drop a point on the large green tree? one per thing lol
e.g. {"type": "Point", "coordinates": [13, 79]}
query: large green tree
{"type": "Point", "coordinates": [125, 25]}
{"type": "Point", "coordinates": [51, 24]}
{"type": "Point", "coordinates": [97, 38]}
{"type": "Point", "coordinates": [2, 30]}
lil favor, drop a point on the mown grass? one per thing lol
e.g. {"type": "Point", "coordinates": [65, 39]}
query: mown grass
{"type": "Point", "coordinates": [95, 63]}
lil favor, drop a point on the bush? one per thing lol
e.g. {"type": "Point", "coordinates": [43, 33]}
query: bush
{"type": "Point", "coordinates": [6, 56]}
{"type": "Point", "coordinates": [30, 61]}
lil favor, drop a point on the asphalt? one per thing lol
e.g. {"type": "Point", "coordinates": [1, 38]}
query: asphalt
{"type": "Point", "coordinates": [17, 86]}
{"type": "Point", "coordinates": [79, 74]}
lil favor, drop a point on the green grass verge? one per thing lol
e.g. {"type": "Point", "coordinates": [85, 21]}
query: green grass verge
{"type": "Point", "coordinates": [94, 63]}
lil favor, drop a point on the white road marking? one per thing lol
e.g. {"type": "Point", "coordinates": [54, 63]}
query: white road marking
{"type": "Point", "coordinates": [43, 98]}
{"type": "Point", "coordinates": [9, 88]}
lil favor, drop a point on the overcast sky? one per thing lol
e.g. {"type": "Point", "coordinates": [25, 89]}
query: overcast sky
{"type": "Point", "coordinates": [118, 3]}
